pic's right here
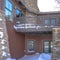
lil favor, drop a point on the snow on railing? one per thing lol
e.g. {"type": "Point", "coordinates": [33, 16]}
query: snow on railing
{"type": "Point", "coordinates": [36, 22]}
{"type": "Point", "coordinates": [27, 26]}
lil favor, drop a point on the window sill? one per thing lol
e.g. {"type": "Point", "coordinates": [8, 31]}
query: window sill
{"type": "Point", "coordinates": [30, 51]}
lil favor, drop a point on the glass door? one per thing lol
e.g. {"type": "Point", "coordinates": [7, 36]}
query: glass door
{"type": "Point", "coordinates": [47, 46]}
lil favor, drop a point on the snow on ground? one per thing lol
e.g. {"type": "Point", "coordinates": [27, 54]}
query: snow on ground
{"type": "Point", "coordinates": [42, 56]}
{"type": "Point", "coordinates": [10, 59]}
{"type": "Point", "coordinates": [45, 56]}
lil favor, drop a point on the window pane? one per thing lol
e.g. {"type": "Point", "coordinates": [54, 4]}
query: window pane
{"type": "Point", "coordinates": [46, 22]}
{"type": "Point", "coordinates": [17, 12]}
{"type": "Point", "coordinates": [53, 21]}
{"type": "Point", "coordinates": [31, 45]}
{"type": "Point", "coordinates": [46, 46]}
{"type": "Point", "coordinates": [8, 5]}
{"type": "Point", "coordinates": [7, 12]}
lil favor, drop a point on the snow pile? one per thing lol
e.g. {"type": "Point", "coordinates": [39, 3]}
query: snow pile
{"type": "Point", "coordinates": [42, 56]}
{"type": "Point", "coordinates": [30, 57]}
{"type": "Point", "coordinates": [10, 59]}
{"type": "Point", "coordinates": [45, 56]}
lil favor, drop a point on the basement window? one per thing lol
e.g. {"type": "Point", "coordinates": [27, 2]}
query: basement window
{"type": "Point", "coordinates": [31, 45]}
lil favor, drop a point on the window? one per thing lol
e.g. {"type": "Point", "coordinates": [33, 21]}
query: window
{"type": "Point", "coordinates": [17, 12]}
{"type": "Point", "coordinates": [53, 22]}
{"type": "Point", "coordinates": [8, 8]}
{"type": "Point", "coordinates": [50, 22]}
{"type": "Point", "coordinates": [46, 22]}
{"type": "Point", "coordinates": [47, 46]}
{"type": "Point", "coordinates": [8, 5]}
{"type": "Point", "coordinates": [31, 45]}
{"type": "Point", "coordinates": [7, 12]}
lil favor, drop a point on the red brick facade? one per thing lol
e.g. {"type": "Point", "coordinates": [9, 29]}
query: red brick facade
{"type": "Point", "coordinates": [39, 41]}
{"type": "Point", "coordinates": [18, 41]}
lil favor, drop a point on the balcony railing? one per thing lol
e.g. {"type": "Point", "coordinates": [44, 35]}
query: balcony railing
{"type": "Point", "coordinates": [34, 24]}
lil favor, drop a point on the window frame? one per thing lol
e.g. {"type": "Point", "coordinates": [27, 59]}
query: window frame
{"type": "Point", "coordinates": [8, 9]}
{"type": "Point", "coordinates": [50, 46]}
{"type": "Point", "coordinates": [20, 13]}
{"type": "Point", "coordinates": [28, 46]}
{"type": "Point", "coordinates": [16, 11]}
{"type": "Point", "coordinates": [45, 20]}
{"type": "Point", "coordinates": [53, 22]}
{"type": "Point", "coordinates": [49, 23]}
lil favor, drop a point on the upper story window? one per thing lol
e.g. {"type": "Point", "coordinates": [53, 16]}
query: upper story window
{"type": "Point", "coordinates": [53, 22]}
{"type": "Point", "coordinates": [46, 22]}
{"type": "Point", "coordinates": [8, 5]}
{"type": "Point", "coordinates": [50, 22]}
{"type": "Point", "coordinates": [8, 8]}
{"type": "Point", "coordinates": [7, 12]}
{"type": "Point", "coordinates": [17, 12]}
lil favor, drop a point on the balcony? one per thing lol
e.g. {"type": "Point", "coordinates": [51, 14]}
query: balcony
{"type": "Point", "coordinates": [36, 23]}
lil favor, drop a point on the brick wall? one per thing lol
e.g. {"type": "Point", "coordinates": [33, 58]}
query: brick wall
{"type": "Point", "coordinates": [38, 41]}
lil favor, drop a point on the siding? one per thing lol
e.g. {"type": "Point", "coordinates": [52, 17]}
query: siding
{"type": "Point", "coordinates": [16, 41]}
